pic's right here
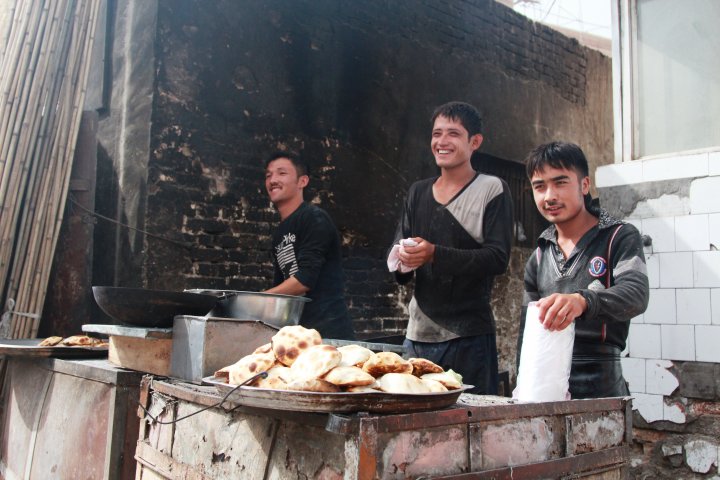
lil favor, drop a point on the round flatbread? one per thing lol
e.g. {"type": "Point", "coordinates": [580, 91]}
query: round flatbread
{"type": "Point", "coordinates": [386, 362]}
{"type": "Point", "coordinates": [421, 366]}
{"type": "Point", "coordinates": [354, 355]}
{"type": "Point", "coordinates": [290, 341]}
{"type": "Point", "coordinates": [402, 383]}
{"type": "Point", "coordinates": [448, 379]}
{"type": "Point", "coordinates": [313, 385]}
{"type": "Point", "coordinates": [277, 379]}
{"type": "Point", "coordinates": [434, 385]}
{"type": "Point", "coordinates": [315, 361]}
{"type": "Point", "coordinates": [362, 389]}
{"type": "Point", "coordinates": [80, 341]}
{"type": "Point", "coordinates": [248, 366]}
{"type": "Point", "coordinates": [349, 377]}
{"type": "Point", "coordinates": [50, 341]}
{"type": "Point", "coordinates": [264, 348]}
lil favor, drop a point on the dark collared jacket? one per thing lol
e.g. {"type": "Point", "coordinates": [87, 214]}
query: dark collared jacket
{"type": "Point", "coordinates": [616, 290]}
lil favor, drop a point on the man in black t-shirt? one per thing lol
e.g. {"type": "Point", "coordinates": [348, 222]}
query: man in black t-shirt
{"type": "Point", "coordinates": [306, 249]}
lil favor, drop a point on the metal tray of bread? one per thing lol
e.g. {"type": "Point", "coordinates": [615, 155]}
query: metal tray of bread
{"type": "Point", "coordinates": [293, 400]}
{"type": "Point", "coordinates": [28, 347]}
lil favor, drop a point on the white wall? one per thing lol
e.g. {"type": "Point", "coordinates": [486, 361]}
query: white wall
{"type": "Point", "coordinates": [682, 321]}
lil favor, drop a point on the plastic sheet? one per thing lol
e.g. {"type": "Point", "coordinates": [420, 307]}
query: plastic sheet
{"type": "Point", "coordinates": [545, 361]}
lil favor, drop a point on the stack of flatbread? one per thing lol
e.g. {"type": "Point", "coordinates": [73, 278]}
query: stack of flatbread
{"type": "Point", "coordinates": [73, 341]}
{"type": "Point", "coordinates": [296, 359]}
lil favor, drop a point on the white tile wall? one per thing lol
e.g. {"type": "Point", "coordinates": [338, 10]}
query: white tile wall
{"type": "Point", "coordinates": [704, 194]}
{"type": "Point", "coordinates": [707, 340]}
{"type": "Point", "coordinates": [619, 174]}
{"type": "Point", "coordinates": [715, 305]}
{"type": "Point", "coordinates": [649, 406]}
{"type": "Point", "coordinates": [682, 321]}
{"type": "Point", "coordinates": [670, 168]}
{"type": "Point", "coordinates": [675, 412]}
{"type": "Point", "coordinates": [645, 341]}
{"type": "Point", "coordinates": [691, 233]}
{"type": "Point", "coordinates": [665, 206]}
{"type": "Point", "coordinates": [634, 372]}
{"type": "Point", "coordinates": [706, 266]}
{"type": "Point", "coordinates": [676, 270]}
{"type": "Point", "coordinates": [678, 342]}
{"type": "Point", "coordinates": [661, 307]}
{"type": "Point", "coordinates": [653, 268]}
{"type": "Point", "coordinates": [714, 163]}
{"type": "Point", "coordinates": [658, 379]}
{"type": "Point", "coordinates": [662, 232]}
{"type": "Point", "coordinates": [693, 306]}
{"type": "Point", "coordinates": [714, 230]}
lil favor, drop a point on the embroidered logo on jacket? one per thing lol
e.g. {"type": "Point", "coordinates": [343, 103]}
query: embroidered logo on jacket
{"type": "Point", "coordinates": [598, 267]}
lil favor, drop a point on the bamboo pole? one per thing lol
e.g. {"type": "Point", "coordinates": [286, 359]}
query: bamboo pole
{"type": "Point", "coordinates": [15, 176]}
{"type": "Point", "coordinates": [79, 90]}
{"type": "Point", "coordinates": [49, 112]}
{"type": "Point", "coordinates": [11, 204]}
{"type": "Point", "coordinates": [35, 166]}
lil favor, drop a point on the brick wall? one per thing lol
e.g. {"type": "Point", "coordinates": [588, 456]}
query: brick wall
{"type": "Point", "coordinates": [351, 85]}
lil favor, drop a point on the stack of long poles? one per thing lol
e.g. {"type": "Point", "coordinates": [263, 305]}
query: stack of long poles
{"type": "Point", "coordinates": [43, 76]}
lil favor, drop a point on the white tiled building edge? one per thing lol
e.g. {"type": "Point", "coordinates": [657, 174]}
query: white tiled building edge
{"type": "Point", "coordinates": [682, 321]}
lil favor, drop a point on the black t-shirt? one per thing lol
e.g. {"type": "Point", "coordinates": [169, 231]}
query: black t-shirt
{"type": "Point", "coordinates": [306, 245]}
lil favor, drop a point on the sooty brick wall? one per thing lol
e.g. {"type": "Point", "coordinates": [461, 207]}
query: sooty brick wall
{"type": "Point", "coordinates": [350, 85]}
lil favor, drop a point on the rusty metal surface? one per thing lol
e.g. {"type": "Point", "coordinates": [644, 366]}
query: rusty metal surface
{"type": "Point", "coordinates": [29, 348]}
{"type": "Point", "coordinates": [208, 395]}
{"type": "Point", "coordinates": [447, 443]}
{"type": "Point", "coordinates": [585, 465]}
{"type": "Point", "coordinates": [519, 410]}
{"type": "Point", "coordinates": [376, 402]}
{"type": "Point", "coordinates": [590, 432]}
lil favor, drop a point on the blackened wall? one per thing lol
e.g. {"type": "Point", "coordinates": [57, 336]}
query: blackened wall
{"type": "Point", "coordinates": [351, 85]}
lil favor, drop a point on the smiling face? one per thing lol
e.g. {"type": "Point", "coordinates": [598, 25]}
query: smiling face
{"type": "Point", "coordinates": [559, 194]}
{"type": "Point", "coordinates": [282, 182]}
{"type": "Point", "coordinates": [451, 144]}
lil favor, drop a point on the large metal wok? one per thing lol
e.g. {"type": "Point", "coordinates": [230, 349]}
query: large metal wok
{"type": "Point", "coordinates": [272, 308]}
{"type": "Point", "coordinates": [150, 308]}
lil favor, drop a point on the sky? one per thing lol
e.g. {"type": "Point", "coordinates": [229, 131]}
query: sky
{"type": "Point", "coordinates": [591, 16]}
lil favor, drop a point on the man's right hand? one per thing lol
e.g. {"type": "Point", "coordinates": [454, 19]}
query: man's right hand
{"type": "Point", "coordinates": [291, 286]}
{"type": "Point", "coordinates": [419, 255]}
{"type": "Point", "coordinates": [559, 310]}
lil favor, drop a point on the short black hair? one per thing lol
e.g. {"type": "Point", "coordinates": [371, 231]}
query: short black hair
{"type": "Point", "coordinates": [461, 112]}
{"type": "Point", "coordinates": [559, 155]}
{"type": "Point", "coordinates": [300, 166]}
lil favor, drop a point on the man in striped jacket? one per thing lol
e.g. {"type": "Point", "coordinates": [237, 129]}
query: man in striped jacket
{"type": "Point", "coordinates": [589, 268]}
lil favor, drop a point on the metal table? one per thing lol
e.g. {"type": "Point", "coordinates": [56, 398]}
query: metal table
{"type": "Point", "coordinates": [478, 438]}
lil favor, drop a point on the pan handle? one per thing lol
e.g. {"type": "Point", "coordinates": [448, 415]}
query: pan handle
{"type": "Point", "coordinates": [220, 296]}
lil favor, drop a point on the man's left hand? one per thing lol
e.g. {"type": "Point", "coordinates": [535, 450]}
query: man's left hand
{"type": "Point", "coordinates": [419, 255]}
{"type": "Point", "coordinates": [559, 310]}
